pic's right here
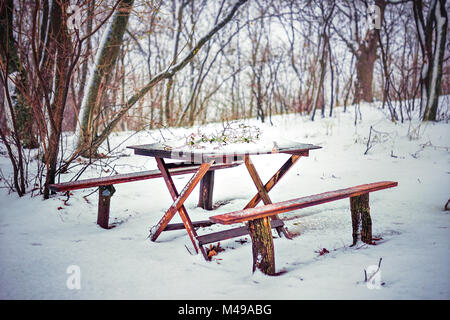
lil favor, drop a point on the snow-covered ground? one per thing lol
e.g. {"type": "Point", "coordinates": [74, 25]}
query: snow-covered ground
{"type": "Point", "coordinates": [41, 241]}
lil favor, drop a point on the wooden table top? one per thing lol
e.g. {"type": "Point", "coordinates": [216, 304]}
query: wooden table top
{"type": "Point", "coordinates": [220, 156]}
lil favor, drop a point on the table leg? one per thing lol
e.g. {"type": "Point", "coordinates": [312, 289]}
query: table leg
{"type": "Point", "coordinates": [205, 199]}
{"type": "Point", "coordinates": [179, 200]}
{"type": "Point", "coordinates": [274, 180]}
{"type": "Point", "coordinates": [261, 190]}
{"type": "Point", "coordinates": [264, 189]}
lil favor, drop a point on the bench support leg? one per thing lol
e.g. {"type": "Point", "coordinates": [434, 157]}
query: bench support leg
{"type": "Point", "coordinates": [262, 245]}
{"type": "Point", "coordinates": [361, 221]}
{"type": "Point", "coordinates": [105, 193]}
{"type": "Point", "coordinates": [205, 200]}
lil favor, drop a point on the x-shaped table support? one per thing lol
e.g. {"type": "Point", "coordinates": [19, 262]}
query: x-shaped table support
{"type": "Point", "coordinates": [179, 199]}
{"type": "Point", "coordinates": [263, 190]}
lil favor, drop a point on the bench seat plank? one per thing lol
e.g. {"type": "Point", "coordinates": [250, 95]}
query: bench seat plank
{"type": "Point", "coordinates": [177, 169]}
{"type": "Point", "coordinates": [231, 233]}
{"type": "Point", "coordinates": [299, 203]}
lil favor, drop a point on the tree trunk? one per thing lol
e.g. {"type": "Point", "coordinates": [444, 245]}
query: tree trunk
{"type": "Point", "coordinates": [22, 109]}
{"type": "Point", "coordinates": [95, 93]}
{"type": "Point", "coordinates": [364, 72]}
{"type": "Point", "coordinates": [318, 94]}
{"type": "Point", "coordinates": [262, 245]}
{"type": "Point", "coordinates": [3, 124]}
{"type": "Point", "coordinates": [62, 46]}
{"type": "Point", "coordinates": [167, 110]}
{"type": "Point", "coordinates": [361, 221]}
{"type": "Point", "coordinates": [365, 60]}
{"type": "Point", "coordinates": [432, 54]}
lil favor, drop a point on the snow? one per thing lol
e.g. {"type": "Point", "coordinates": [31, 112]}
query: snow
{"type": "Point", "coordinates": [41, 247]}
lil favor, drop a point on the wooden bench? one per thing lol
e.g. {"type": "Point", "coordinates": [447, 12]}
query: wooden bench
{"type": "Point", "coordinates": [259, 224]}
{"type": "Point", "coordinates": [106, 185]}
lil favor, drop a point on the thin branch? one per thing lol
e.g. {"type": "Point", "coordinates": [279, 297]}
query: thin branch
{"type": "Point", "coordinates": [167, 73]}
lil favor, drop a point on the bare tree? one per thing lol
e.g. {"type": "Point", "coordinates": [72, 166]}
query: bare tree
{"type": "Point", "coordinates": [432, 35]}
{"type": "Point", "coordinates": [364, 48]}
{"type": "Point", "coordinates": [94, 95]}
{"type": "Point", "coordinates": [100, 137]}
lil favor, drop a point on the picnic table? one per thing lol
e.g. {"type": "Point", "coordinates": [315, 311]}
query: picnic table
{"type": "Point", "coordinates": [205, 158]}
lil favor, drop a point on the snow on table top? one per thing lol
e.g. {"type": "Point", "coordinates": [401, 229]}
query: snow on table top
{"type": "Point", "coordinates": [175, 149]}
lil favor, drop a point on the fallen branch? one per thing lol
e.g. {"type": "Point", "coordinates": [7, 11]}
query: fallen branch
{"type": "Point", "coordinates": [373, 275]}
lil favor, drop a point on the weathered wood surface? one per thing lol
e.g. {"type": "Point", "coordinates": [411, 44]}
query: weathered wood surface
{"type": "Point", "coordinates": [299, 203]}
{"type": "Point", "coordinates": [274, 180]}
{"type": "Point", "coordinates": [205, 199]}
{"type": "Point", "coordinates": [257, 180]}
{"type": "Point", "coordinates": [174, 169]}
{"type": "Point", "coordinates": [230, 233]}
{"type": "Point", "coordinates": [195, 224]}
{"type": "Point", "coordinates": [263, 193]}
{"type": "Point", "coordinates": [178, 202]}
{"type": "Point", "coordinates": [197, 156]}
{"type": "Point", "coordinates": [275, 223]}
{"type": "Point", "coordinates": [361, 221]}
{"type": "Point", "coordinates": [104, 201]}
{"type": "Point", "coordinates": [262, 245]}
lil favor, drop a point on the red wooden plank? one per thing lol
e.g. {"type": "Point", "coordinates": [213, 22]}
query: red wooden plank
{"type": "Point", "coordinates": [130, 177]}
{"type": "Point", "coordinates": [179, 200]}
{"type": "Point", "coordinates": [299, 203]}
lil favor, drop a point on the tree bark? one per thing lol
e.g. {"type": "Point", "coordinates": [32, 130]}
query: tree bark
{"type": "Point", "coordinates": [365, 60]}
{"type": "Point", "coordinates": [8, 49]}
{"type": "Point", "coordinates": [62, 46]}
{"type": "Point", "coordinates": [95, 93]}
{"type": "Point", "coordinates": [318, 94]}
{"type": "Point", "coordinates": [361, 221]}
{"type": "Point", "coordinates": [262, 245]}
{"type": "Point", "coordinates": [436, 23]}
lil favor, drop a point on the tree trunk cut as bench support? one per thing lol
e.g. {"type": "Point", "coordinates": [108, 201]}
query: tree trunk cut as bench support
{"type": "Point", "coordinates": [262, 245]}
{"type": "Point", "coordinates": [361, 221]}
{"type": "Point", "coordinates": [105, 193]}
